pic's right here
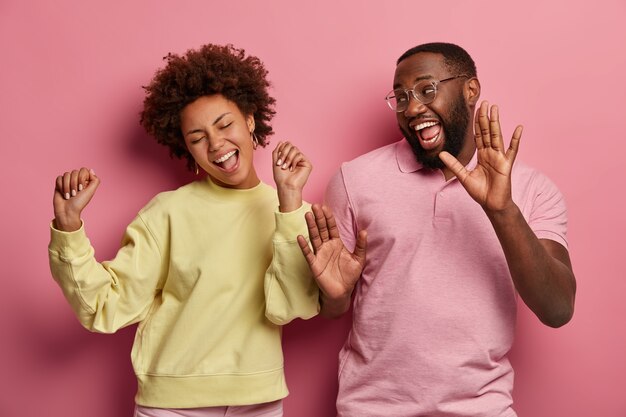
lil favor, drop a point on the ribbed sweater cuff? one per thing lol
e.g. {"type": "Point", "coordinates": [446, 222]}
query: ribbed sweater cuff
{"type": "Point", "coordinates": [69, 244]}
{"type": "Point", "coordinates": [290, 225]}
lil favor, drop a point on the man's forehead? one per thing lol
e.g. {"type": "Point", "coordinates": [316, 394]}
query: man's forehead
{"type": "Point", "coordinates": [418, 66]}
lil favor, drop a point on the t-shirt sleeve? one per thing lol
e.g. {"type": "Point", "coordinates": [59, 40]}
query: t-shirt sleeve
{"type": "Point", "coordinates": [339, 202]}
{"type": "Point", "coordinates": [548, 217]}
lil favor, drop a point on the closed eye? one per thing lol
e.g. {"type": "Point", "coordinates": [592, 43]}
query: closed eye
{"type": "Point", "coordinates": [193, 142]}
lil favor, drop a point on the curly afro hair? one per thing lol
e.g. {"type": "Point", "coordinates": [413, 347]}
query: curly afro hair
{"type": "Point", "coordinates": [211, 69]}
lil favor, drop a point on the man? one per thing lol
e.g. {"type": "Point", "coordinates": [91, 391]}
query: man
{"type": "Point", "coordinates": [435, 306]}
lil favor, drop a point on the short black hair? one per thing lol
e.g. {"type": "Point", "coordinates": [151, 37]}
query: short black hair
{"type": "Point", "coordinates": [454, 57]}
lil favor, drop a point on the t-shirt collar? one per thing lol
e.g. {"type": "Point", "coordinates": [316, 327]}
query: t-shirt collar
{"type": "Point", "coordinates": [408, 163]}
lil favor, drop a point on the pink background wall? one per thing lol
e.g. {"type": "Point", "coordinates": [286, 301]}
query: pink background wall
{"type": "Point", "coordinates": [70, 78]}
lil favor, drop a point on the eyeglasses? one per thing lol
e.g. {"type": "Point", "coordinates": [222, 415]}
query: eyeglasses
{"type": "Point", "coordinates": [423, 91]}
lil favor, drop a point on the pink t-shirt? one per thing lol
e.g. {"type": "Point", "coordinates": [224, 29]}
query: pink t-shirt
{"type": "Point", "coordinates": [435, 309]}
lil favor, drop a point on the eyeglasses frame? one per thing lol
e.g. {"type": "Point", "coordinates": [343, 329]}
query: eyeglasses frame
{"type": "Point", "coordinates": [435, 83]}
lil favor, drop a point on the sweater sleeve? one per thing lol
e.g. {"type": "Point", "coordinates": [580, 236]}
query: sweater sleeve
{"type": "Point", "coordinates": [109, 295]}
{"type": "Point", "coordinates": [290, 291]}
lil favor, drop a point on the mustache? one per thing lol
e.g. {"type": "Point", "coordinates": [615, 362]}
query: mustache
{"type": "Point", "coordinates": [423, 117]}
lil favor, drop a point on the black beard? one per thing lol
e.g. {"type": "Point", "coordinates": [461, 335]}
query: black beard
{"type": "Point", "coordinates": [454, 131]}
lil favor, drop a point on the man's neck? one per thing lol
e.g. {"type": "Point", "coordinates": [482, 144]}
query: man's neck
{"type": "Point", "coordinates": [464, 157]}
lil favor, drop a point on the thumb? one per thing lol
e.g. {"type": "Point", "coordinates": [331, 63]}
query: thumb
{"type": "Point", "coordinates": [88, 192]}
{"type": "Point", "coordinates": [306, 250]}
{"type": "Point", "coordinates": [361, 246]}
{"type": "Point", "coordinates": [453, 165]}
{"type": "Point", "coordinates": [93, 179]}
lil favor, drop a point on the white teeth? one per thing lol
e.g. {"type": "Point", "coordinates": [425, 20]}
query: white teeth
{"type": "Point", "coordinates": [424, 125]}
{"type": "Point", "coordinates": [225, 157]}
{"type": "Point", "coordinates": [433, 139]}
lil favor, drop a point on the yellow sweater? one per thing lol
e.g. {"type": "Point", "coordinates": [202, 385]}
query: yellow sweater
{"type": "Point", "coordinates": [210, 274]}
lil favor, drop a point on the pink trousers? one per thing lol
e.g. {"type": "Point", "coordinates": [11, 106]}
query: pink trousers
{"type": "Point", "coordinates": [273, 409]}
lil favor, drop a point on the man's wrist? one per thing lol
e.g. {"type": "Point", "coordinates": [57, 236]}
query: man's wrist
{"type": "Point", "coordinates": [335, 306]}
{"type": "Point", "coordinates": [507, 211]}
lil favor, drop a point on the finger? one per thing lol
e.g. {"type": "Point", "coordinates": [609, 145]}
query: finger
{"type": "Point", "coordinates": [58, 184]}
{"type": "Point", "coordinates": [94, 181]}
{"type": "Point", "coordinates": [483, 122]}
{"type": "Point", "coordinates": [276, 153]}
{"type": "Point", "coordinates": [74, 183]}
{"type": "Point", "coordinates": [511, 153]}
{"type": "Point", "coordinates": [83, 178]}
{"type": "Point", "coordinates": [333, 231]}
{"type": "Point", "coordinates": [314, 234]}
{"type": "Point", "coordinates": [494, 126]}
{"type": "Point", "coordinates": [297, 161]}
{"type": "Point", "coordinates": [90, 188]}
{"type": "Point", "coordinates": [478, 138]}
{"type": "Point", "coordinates": [361, 246]}
{"type": "Point", "coordinates": [65, 189]}
{"type": "Point", "coordinates": [289, 153]}
{"type": "Point", "coordinates": [320, 220]}
{"type": "Point", "coordinates": [454, 165]}
{"type": "Point", "coordinates": [283, 150]}
{"type": "Point", "coordinates": [58, 198]}
{"type": "Point", "coordinates": [302, 162]}
{"type": "Point", "coordinates": [58, 189]}
{"type": "Point", "coordinates": [306, 250]}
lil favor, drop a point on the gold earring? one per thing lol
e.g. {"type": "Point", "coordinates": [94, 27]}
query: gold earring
{"type": "Point", "coordinates": [197, 170]}
{"type": "Point", "coordinates": [255, 141]}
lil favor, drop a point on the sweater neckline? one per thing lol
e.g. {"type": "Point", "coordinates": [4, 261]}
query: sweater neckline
{"type": "Point", "coordinates": [235, 194]}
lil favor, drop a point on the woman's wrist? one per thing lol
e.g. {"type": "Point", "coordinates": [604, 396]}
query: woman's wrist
{"type": "Point", "coordinates": [67, 223]}
{"type": "Point", "coordinates": [289, 200]}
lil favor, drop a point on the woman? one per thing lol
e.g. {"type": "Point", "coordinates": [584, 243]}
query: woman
{"type": "Point", "coordinates": [211, 270]}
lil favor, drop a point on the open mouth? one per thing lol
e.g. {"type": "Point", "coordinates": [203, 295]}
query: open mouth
{"type": "Point", "coordinates": [228, 161]}
{"type": "Point", "coordinates": [428, 133]}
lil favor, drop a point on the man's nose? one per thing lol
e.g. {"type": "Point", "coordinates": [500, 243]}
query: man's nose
{"type": "Point", "coordinates": [414, 107]}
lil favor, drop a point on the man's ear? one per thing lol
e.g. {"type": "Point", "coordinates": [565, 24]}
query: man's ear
{"type": "Point", "coordinates": [472, 91]}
